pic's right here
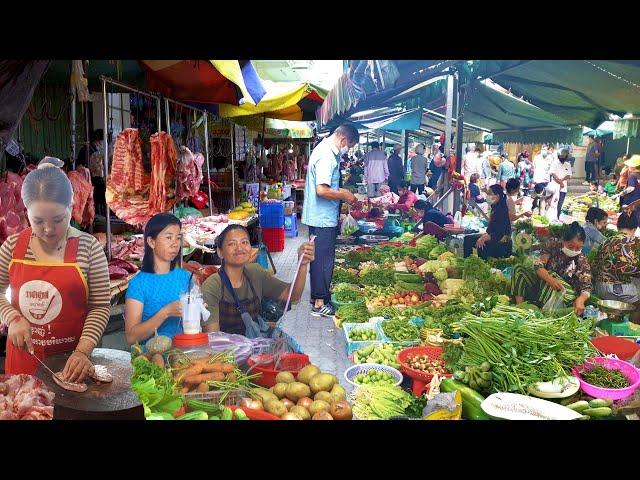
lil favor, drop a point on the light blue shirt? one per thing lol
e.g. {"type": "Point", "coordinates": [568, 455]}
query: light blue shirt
{"type": "Point", "coordinates": [507, 171]}
{"type": "Point", "coordinates": [324, 168]}
{"type": "Point", "coordinates": [155, 291]}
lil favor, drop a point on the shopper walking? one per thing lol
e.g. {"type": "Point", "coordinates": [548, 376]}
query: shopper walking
{"type": "Point", "coordinates": [541, 168]}
{"type": "Point", "coordinates": [396, 169]}
{"type": "Point", "coordinates": [375, 170]}
{"type": "Point", "coordinates": [418, 170]}
{"type": "Point", "coordinates": [471, 164]}
{"type": "Point", "coordinates": [591, 160]}
{"type": "Point", "coordinates": [561, 173]}
{"type": "Point", "coordinates": [321, 210]}
{"type": "Point", "coordinates": [507, 171]}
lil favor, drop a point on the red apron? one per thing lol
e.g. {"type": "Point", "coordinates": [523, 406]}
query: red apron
{"type": "Point", "coordinates": [53, 297]}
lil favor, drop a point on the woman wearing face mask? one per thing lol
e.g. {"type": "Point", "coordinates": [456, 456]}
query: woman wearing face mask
{"type": "Point", "coordinates": [616, 269]}
{"type": "Point", "coordinates": [240, 285]}
{"type": "Point", "coordinates": [153, 297]}
{"type": "Point", "coordinates": [59, 282]}
{"type": "Point", "coordinates": [596, 222]}
{"type": "Point", "coordinates": [560, 259]}
{"type": "Point", "coordinates": [497, 241]}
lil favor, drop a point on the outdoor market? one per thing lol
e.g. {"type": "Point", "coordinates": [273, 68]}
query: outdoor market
{"type": "Point", "coordinates": [319, 240]}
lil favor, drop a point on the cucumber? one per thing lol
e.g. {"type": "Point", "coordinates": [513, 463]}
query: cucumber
{"type": "Point", "coordinates": [597, 412]}
{"type": "Point", "coordinates": [214, 417]}
{"type": "Point", "coordinates": [227, 414]}
{"type": "Point", "coordinates": [211, 408]}
{"type": "Point", "coordinates": [600, 402]}
{"type": "Point", "coordinates": [197, 415]}
{"type": "Point", "coordinates": [471, 399]}
{"type": "Point", "coordinates": [578, 406]}
{"type": "Point", "coordinates": [240, 415]}
{"type": "Point", "coordinates": [584, 417]}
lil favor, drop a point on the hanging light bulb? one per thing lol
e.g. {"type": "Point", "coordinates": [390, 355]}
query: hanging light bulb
{"type": "Point", "coordinates": [291, 148]}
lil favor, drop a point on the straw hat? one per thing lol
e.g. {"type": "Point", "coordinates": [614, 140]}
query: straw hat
{"type": "Point", "coordinates": [633, 162]}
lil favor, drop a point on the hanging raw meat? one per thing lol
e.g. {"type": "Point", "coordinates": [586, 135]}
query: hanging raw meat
{"type": "Point", "coordinates": [164, 159]}
{"type": "Point", "coordinates": [189, 173]}
{"type": "Point", "coordinates": [13, 215]}
{"type": "Point", "coordinates": [127, 171]}
{"type": "Point", "coordinates": [83, 211]}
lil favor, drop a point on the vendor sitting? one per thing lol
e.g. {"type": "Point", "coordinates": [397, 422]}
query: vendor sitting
{"type": "Point", "coordinates": [560, 260]}
{"type": "Point", "coordinates": [596, 222]}
{"type": "Point", "coordinates": [249, 281]}
{"type": "Point", "coordinates": [387, 197]}
{"type": "Point", "coordinates": [616, 269]}
{"type": "Point", "coordinates": [431, 214]}
{"type": "Point", "coordinates": [496, 242]}
{"type": "Point", "coordinates": [153, 297]}
{"type": "Point", "coordinates": [475, 194]}
{"type": "Point", "coordinates": [407, 199]}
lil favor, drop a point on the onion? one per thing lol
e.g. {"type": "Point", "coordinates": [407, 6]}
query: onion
{"type": "Point", "coordinates": [341, 410]}
{"type": "Point", "coordinates": [305, 402]}
{"type": "Point", "coordinates": [251, 404]}
{"type": "Point", "coordinates": [290, 416]}
{"type": "Point", "coordinates": [287, 403]}
{"type": "Point", "coordinates": [322, 416]}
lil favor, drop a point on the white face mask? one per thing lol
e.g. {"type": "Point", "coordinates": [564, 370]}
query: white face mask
{"type": "Point", "coordinates": [570, 253]}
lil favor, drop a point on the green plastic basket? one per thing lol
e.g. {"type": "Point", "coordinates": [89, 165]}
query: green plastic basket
{"type": "Point", "coordinates": [338, 304]}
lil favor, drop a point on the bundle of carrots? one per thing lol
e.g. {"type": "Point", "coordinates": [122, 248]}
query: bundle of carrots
{"type": "Point", "coordinates": [214, 372]}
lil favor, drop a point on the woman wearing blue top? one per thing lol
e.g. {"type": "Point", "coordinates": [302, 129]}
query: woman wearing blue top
{"type": "Point", "coordinates": [506, 171]}
{"type": "Point", "coordinates": [153, 297]}
{"type": "Point", "coordinates": [497, 241]}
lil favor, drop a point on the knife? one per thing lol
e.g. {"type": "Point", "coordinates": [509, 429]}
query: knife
{"type": "Point", "coordinates": [48, 369]}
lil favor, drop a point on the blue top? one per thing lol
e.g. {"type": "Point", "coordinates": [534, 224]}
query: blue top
{"type": "Point", "coordinates": [507, 171]}
{"type": "Point", "coordinates": [323, 169]}
{"type": "Point", "coordinates": [474, 190]}
{"type": "Point", "coordinates": [435, 174]}
{"type": "Point", "coordinates": [436, 216]}
{"type": "Point", "coordinates": [634, 181]}
{"type": "Point", "coordinates": [156, 291]}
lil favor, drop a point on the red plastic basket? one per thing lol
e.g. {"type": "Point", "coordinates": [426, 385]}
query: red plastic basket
{"type": "Point", "coordinates": [622, 348]}
{"type": "Point", "coordinates": [290, 362]}
{"type": "Point", "coordinates": [274, 239]}
{"type": "Point", "coordinates": [421, 380]}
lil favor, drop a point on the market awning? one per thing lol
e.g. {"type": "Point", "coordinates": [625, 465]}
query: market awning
{"type": "Point", "coordinates": [583, 92]}
{"type": "Point", "coordinates": [296, 101]}
{"type": "Point", "coordinates": [393, 121]}
{"type": "Point", "coordinates": [626, 127]}
{"type": "Point", "coordinates": [231, 82]}
{"type": "Point", "coordinates": [275, 128]}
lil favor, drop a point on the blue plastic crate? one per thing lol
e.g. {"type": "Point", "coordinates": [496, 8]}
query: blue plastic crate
{"type": "Point", "coordinates": [272, 215]}
{"type": "Point", "coordinates": [291, 226]}
{"type": "Point", "coordinates": [353, 346]}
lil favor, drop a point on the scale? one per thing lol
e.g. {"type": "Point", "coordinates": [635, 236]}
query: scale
{"type": "Point", "coordinates": [617, 322]}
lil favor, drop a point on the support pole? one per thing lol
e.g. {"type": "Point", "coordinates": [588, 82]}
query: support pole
{"type": "Point", "coordinates": [233, 160]}
{"type": "Point", "coordinates": [405, 136]}
{"type": "Point", "coordinates": [367, 149]}
{"type": "Point", "coordinates": [167, 117]}
{"type": "Point", "coordinates": [447, 140]}
{"type": "Point", "coordinates": [73, 122]}
{"type": "Point", "coordinates": [459, 134]}
{"type": "Point", "coordinates": [105, 162]}
{"type": "Point", "coordinates": [206, 156]}
{"type": "Point", "coordinates": [628, 138]}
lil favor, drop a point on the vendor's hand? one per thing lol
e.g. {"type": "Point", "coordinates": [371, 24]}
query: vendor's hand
{"type": "Point", "coordinates": [482, 241]}
{"type": "Point", "coordinates": [173, 309]}
{"type": "Point", "coordinates": [308, 252]}
{"type": "Point", "coordinates": [348, 197]}
{"type": "Point", "coordinates": [555, 284]}
{"type": "Point", "coordinates": [579, 306]}
{"type": "Point", "coordinates": [19, 334]}
{"type": "Point", "coordinates": [78, 368]}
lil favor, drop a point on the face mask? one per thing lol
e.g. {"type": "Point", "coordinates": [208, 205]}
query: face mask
{"type": "Point", "coordinates": [570, 253]}
{"type": "Point", "coordinates": [344, 150]}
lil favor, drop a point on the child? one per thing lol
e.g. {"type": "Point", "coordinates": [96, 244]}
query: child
{"type": "Point", "coordinates": [610, 188]}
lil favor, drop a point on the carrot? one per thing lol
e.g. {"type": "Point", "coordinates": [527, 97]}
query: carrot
{"type": "Point", "coordinates": [205, 377]}
{"type": "Point", "coordinates": [231, 377]}
{"type": "Point", "coordinates": [227, 368]}
{"type": "Point", "coordinates": [212, 367]}
{"type": "Point", "coordinates": [189, 372]}
{"type": "Point", "coordinates": [185, 389]}
{"type": "Point", "coordinates": [203, 387]}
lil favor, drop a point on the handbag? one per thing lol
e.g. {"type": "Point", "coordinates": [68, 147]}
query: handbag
{"type": "Point", "coordinates": [253, 329]}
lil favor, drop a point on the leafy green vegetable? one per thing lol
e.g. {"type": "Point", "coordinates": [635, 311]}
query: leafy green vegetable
{"type": "Point", "coordinates": [378, 276]}
{"type": "Point", "coordinates": [155, 388]}
{"type": "Point", "coordinates": [341, 275]}
{"type": "Point", "coordinates": [399, 330]}
{"type": "Point", "coordinates": [353, 313]}
{"type": "Point", "coordinates": [347, 294]}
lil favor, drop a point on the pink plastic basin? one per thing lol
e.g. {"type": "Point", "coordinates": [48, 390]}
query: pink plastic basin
{"type": "Point", "coordinates": [628, 370]}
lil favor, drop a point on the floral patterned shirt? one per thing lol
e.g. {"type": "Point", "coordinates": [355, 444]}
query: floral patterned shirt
{"type": "Point", "coordinates": [618, 260]}
{"type": "Point", "coordinates": [576, 271]}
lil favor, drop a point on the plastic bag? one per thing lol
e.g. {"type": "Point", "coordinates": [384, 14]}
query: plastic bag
{"type": "Point", "coordinates": [349, 226]}
{"type": "Point", "coordinates": [555, 302]}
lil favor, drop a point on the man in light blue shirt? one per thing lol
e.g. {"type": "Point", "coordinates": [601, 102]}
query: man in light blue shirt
{"type": "Point", "coordinates": [321, 211]}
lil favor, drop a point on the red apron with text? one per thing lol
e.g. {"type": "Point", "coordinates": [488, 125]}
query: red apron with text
{"type": "Point", "coordinates": [53, 297]}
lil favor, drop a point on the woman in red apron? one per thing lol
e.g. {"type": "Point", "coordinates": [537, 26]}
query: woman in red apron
{"type": "Point", "coordinates": [49, 292]}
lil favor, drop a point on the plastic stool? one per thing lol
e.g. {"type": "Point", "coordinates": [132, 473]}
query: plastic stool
{"type": "Point", "coordinates": [291, 226]}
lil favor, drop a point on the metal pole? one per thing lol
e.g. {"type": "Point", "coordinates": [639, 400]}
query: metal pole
{"type": "Point", "coordinates": [459, 133]}
{"type": "Point", "coordinates": [206, 156]}
{"type": "Point", "coordinates": [73, 121]}
{"type": "Point", "coordinates": [233, 161]}
{"type": "Point", "coordinates": [167, 116]}
{"type": "Point", "coordinates": [449, 116]}
{"type": "Point", "coordinates": [367, 149]}
{"type": "Point", "coordinates": [628, 138]}
{"type": "Point", "coordinates": [443, 197]}
{"type": "Point", "coordinates": [105, 163]}
{"type": "Point", "coordinates": [159, 114]}
{"type": "Point", "coordinates": [405, 135]}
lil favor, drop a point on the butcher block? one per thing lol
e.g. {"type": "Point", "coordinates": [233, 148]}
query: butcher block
{"type": "Point", "coordinates": [107, 401]}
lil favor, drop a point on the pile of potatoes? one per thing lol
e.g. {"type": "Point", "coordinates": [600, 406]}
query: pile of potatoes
{"type": "Point", "coordinates": [312, 396]}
